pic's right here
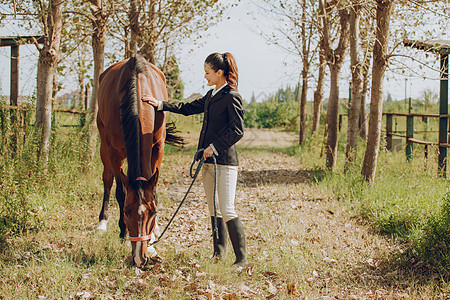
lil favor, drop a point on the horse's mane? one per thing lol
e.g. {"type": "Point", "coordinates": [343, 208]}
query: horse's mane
{"type": "Point", "coordinates": [129, 118]}
{"type": "Point", "coordinates": [131, 124]}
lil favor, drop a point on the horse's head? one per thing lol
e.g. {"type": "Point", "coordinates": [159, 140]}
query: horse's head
{"type": "Point", "coordinates": [140, 214]}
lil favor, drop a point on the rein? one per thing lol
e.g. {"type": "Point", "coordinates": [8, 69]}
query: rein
{"type": "Point", "coordinates": [194, 177]}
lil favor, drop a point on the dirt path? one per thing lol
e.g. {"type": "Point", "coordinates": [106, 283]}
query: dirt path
{"type": "Point", "coordinates": [268, 137]}
{"type": "Point", "coordinates": [255, 137]}
{"type": "Point", "coordinates": [298, 236]}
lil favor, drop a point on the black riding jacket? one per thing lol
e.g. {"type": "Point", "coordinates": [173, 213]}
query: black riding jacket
{"type": "Point", "coordinates": [223, 122]}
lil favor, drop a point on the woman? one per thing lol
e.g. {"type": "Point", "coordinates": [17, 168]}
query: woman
{"type": "Point", "coordinates": [223, 126]}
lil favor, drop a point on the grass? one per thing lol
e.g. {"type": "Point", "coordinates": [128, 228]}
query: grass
{"type": "Point", "coordinates": [310, 234]}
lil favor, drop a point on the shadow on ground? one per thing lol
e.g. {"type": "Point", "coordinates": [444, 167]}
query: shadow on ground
{"type": "Point", "coordinates": [393, 277]}
{"type": "Point", "coordinates": [279, 176]}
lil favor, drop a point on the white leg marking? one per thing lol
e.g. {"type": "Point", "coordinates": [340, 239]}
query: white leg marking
{"type": "Point", "coordinates": [101, 225]}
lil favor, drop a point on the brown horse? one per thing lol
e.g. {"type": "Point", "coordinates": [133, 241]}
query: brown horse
{"type": "Point", "coordinates": [131, 129]}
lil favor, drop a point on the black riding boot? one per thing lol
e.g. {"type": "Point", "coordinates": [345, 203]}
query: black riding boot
{"type": "Point", "coordinates": [220, 244]}
{"type": "Point", "coordinates": [237, 237]}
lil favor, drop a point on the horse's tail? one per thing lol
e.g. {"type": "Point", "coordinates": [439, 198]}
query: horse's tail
{"type": "Point", "coordinates": [172, 137]}
{"type": "Point", "coordinates": [129, 120]}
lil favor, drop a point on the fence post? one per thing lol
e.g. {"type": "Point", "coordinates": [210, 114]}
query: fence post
{"type": "Point", "coordinates": [389, 131]}
{"type": "Point", "coordinates": [14, 98]}
{"type": "Point", "coordinates": [443, 121]}
{"type": "Point", "coordinates": [409, 134]}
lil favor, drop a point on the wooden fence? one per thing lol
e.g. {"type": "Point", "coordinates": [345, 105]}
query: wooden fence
{"type": "Point", "coordinates": [16, 121]}
{"type": "Point", "coordinates": [442, 142]}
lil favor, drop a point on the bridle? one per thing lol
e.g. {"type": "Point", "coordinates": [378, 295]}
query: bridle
{"type": "Point", "coordinates": [141, 237]}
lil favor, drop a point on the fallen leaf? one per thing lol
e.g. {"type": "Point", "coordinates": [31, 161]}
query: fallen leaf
{"type": "Point", "coordinates": [246, 291]}
{"type": "Point", "coordinates": [271, 288]}
{"type": "Point", "coordinates": [82, 295]}
{"type": "Point", "coordinates": [232, 296]}
{"type": "Point", "coordinates": [291, 289]}
{"type": "Point", "coordinates": [249, 269]}
{"type": "Point", "coordinates": [199, 274]}
{"type": "Point", "coordinates": [208, 295]}
{"type": "Point", "coordinates": [191, 287]}
{"type": "Point", "coordinates": [270, 274]}
{"type": "Point", "coordinates": [294, 242]}
{"type": "Point", "coordinates": [329, 260]}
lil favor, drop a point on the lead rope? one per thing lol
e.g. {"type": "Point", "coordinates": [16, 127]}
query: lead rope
{"type": "Point", "coordinates": [194, 177]}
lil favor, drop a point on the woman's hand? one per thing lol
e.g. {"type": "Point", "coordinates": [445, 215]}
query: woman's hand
{"type": "Point", "coordinates": [150, 100]}
{"type": "Point", "coordinates": [208, 152]}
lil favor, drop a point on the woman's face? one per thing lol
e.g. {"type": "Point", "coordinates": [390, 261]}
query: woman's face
{"type": "Point", "coordinates": [213, 77]}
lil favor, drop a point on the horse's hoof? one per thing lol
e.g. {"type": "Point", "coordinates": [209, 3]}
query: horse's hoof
{"type": "Point", "coordinates": [155, 260]}
{"type": "Point", "coordinates": [101, 225]}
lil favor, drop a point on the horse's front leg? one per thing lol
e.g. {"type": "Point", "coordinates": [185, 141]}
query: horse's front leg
{"type": "Point", "coordinates": [104, 214]}
{"type": "Point", "coordinates": [120, 196]}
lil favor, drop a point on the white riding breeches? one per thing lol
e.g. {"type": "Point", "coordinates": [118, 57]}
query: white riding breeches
{"type": "Point", "coordinates": [225, 190]}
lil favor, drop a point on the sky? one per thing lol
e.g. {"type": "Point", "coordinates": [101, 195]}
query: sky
{"type": "Point", "coordinates": [263, 68]}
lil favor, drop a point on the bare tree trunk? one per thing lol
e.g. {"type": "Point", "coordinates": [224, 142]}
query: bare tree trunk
{"type": "Point", "coordinates": [148, 43]}
{"type": "Point", "coordinates": [302, 133]}
{"type": "Point", "coordinates": [98, 46]}
{"type": "Point", "coordinates": [380, 61]}
{"type": "Point", "coordinates": [362, 115]}
{"type": "Point", "coordinates": [305, 60]}
{"type": "Point", "coordinates": [335, 59]}
{"type": "Point", "coordinates": [44, 104]}
{"type": "Point", "coordinates": [356, 69]}
{"type": "Point", "coordinates": [366, 45]}
{"type": "Point", "coordinates": [79, 103]}
{"type": "Point", "coordinates": [332, 117]}
{"type": "Point", "coordinates": [318, 95]}
{"type": "Point", "coordinates": [133, 16]}
{"type": "Point", "coordinates": [48, 57]}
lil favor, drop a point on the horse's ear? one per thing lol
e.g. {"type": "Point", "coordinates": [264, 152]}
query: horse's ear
{"type": "Point", "coordinates": [154, 179]}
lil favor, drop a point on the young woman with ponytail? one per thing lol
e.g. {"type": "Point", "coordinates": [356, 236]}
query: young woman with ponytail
{"type": "Point", "coordinates": [223, 127]}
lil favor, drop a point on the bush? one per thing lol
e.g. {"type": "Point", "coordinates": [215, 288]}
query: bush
{"type": "Point", "coordinates": [271, 114]}
{"type": "Point", "coordinates": [25, 188]}
{"type": "Point", "coordinates": [434, 245]}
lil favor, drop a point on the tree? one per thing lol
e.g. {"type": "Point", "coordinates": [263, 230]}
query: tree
{"type": "Point", "coordinates": [318, 93]}
{"type": "Point", "coordinates": [306, 36]}
{"type": "Point", "coordinates": [380, 60]}
{"type": "Point", "coordinates": [294, 33]}
{"type": "Point", "coordinates": [367, 41]}
{"type": "Point", "coordinates": [335, 60]}
{"type": "Point", "coordinates": [154, 25]}
{"type": "Point", "coordinates": [175, 86]}
{"type": "Point", "coordinates": [429, 97]}
{"type": "Point", "coordinates": [51, 18]}
{"type": "Point", "coordinates": [356, 87]}
{"type": "Point", "coordinates": [98, 17]}
{"type": "Point", "coordinates": [362, 115]}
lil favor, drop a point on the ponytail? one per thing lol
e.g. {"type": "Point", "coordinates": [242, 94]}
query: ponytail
{"type": "Point", "coordinates": [226, 63]}
{"type": "Point", "coordinates": [232, 74]}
